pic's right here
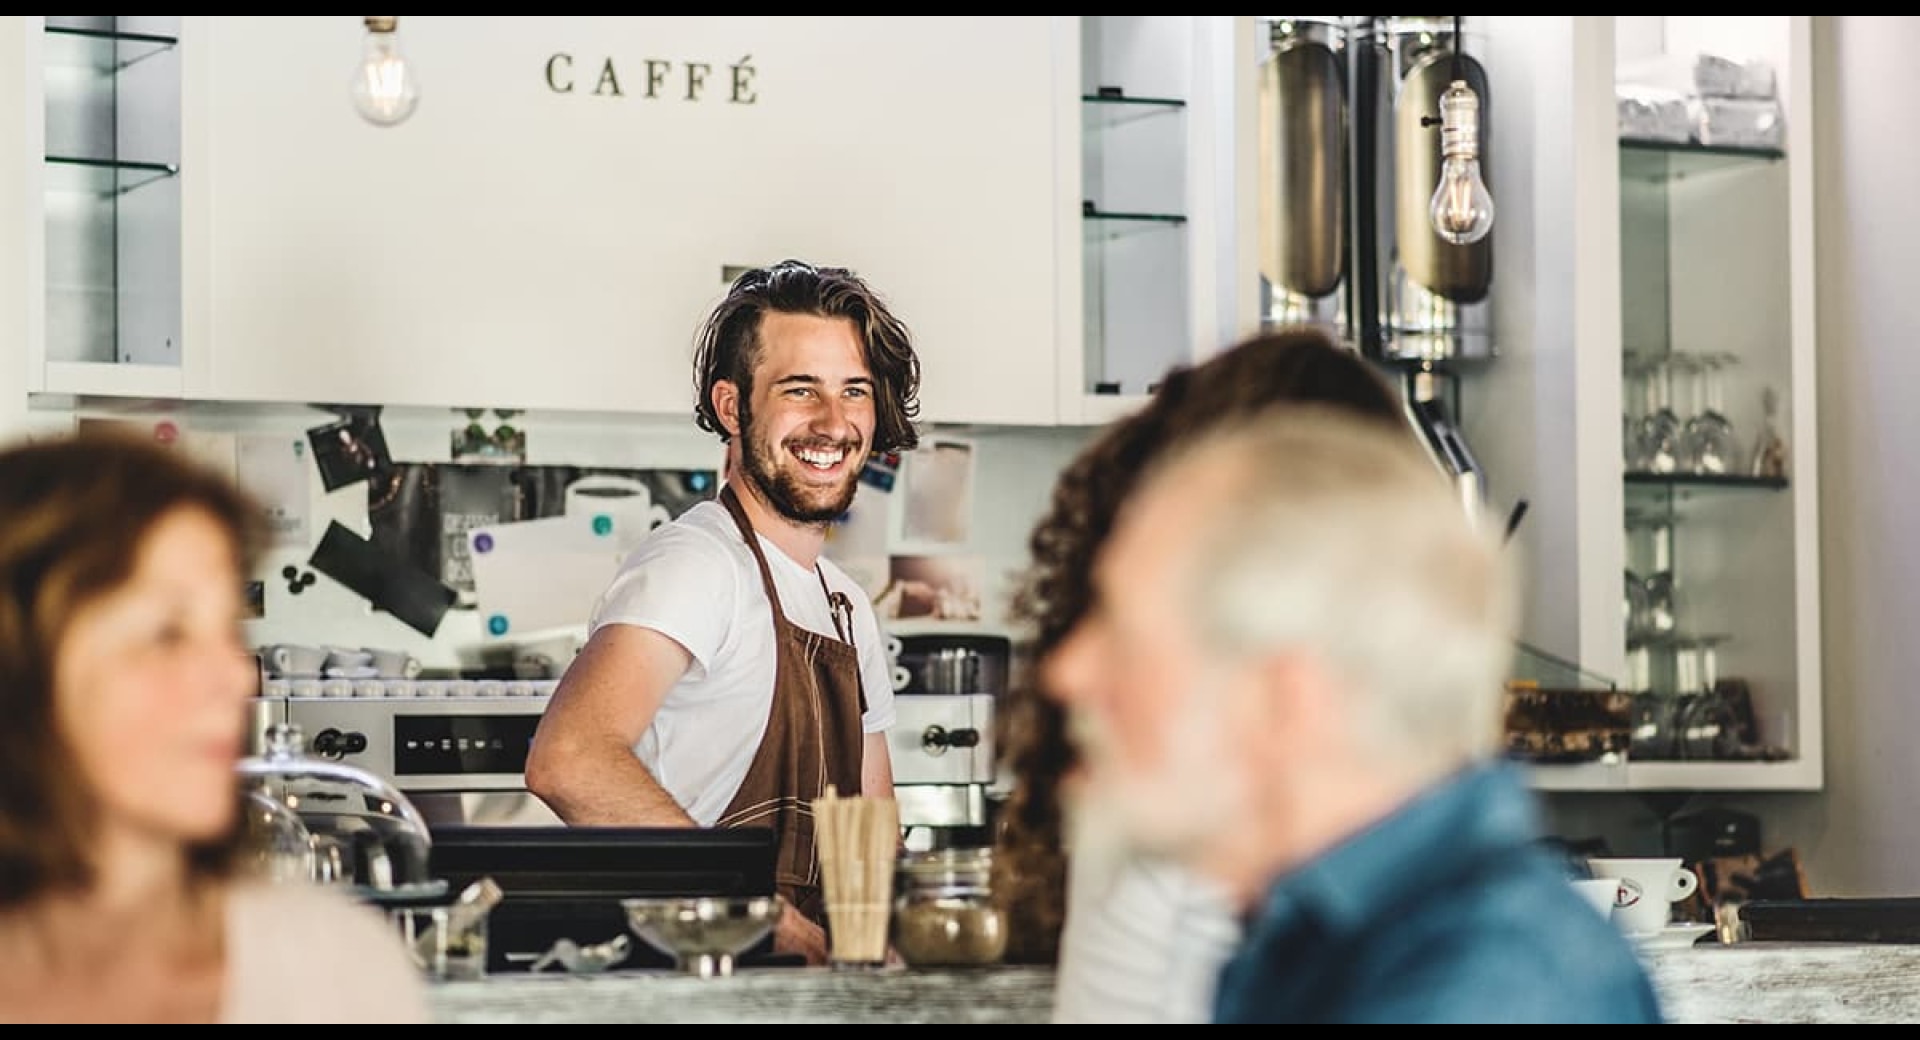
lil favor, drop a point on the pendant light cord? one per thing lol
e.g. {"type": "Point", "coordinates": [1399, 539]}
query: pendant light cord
{"type": "Point", "coordinates": [1435, 120]}
{"type": "Point", "coordinates": [1456, 46]}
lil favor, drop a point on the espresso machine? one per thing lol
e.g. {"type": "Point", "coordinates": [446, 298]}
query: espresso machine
{"type": "Point", "coordinates": [456, 748]}
{"type": "Point", "coordinates": [948, 688]}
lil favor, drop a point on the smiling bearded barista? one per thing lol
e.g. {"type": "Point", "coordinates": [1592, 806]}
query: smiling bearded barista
{"type": "Point", "coordinates": [731, 672]}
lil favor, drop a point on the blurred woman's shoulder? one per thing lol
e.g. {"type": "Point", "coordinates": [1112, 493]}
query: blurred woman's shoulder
{"type": "Point", "coordinates": [294, 953]}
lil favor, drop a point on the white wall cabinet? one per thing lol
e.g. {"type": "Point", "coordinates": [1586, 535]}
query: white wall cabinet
{"type": "Point", "coordinates": [1621, 259]}
{"type": "Point", "coordinates": [102, 111]}
{"type": "Point", "coordinates": [530, 238]}
{"type": "Point", "coordinates": [1157, 190]}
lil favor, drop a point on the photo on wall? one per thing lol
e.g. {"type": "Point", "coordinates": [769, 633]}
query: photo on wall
{"type": "Point", "coordinates": [932, 503]}
{"type": "Point", "coordinates": [947, 588]}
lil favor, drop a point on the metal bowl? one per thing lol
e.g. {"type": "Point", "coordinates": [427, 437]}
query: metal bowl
{"type": "Point", "coordinates": [703, 934]}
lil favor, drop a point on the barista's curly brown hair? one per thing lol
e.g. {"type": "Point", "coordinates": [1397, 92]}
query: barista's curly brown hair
{"type": "Point", "coordinates": [729, 344]}
{"type": "Point", "coordinates": [1290, 365]}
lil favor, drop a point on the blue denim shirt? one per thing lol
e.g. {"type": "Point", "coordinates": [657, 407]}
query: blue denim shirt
{"type": "Point", "coordinates": [1450, 910]}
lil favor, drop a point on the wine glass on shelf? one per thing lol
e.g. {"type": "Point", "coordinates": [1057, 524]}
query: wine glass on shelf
{"type": "Point", "coordinates": [1633, 407]}
{"type": "Point", "coordinates": [1709, 440]}
{"type": "Point", "coordinates": [1656, 441]}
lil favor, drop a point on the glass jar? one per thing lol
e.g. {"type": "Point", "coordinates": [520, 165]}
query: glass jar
{"type": "Point", "coordinates": [944, 913]}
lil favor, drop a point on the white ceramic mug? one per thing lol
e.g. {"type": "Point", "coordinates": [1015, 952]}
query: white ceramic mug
{"type": "Point", "coordinates": [1600, 893]}
{"type": "Point", "coordinates": [346, 659]}
{"type": "Point", "coordinates": [1648, 889]}
{"type": "Point", "coordinates": [292, 659]}
{"type": "Point", "coordinates": [393, 664]}
{"type": "Point", "coordinates": [545, 659]}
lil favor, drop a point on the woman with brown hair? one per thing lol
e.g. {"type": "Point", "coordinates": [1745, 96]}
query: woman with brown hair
{"type": "Point", "coordinates": [1141, 940]}
{"type": "Point", "coordinates": [124, 684]}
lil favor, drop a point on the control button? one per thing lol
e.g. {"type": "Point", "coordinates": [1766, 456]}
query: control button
{"type": "Point", "coordinates": [333, 743]}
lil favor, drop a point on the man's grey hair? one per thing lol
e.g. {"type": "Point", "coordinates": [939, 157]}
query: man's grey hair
{"type": "Point", "coordinates": [1343, 540]}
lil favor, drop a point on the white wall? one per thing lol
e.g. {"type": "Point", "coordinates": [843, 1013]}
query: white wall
{"type": "Point", "coordinates": [1862, 837]}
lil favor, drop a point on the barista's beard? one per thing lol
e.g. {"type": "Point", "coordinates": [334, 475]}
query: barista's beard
{"type": "Point", "coordinates": [781, 488]}
{"type": "Point", "coordinates": [1177, 808]}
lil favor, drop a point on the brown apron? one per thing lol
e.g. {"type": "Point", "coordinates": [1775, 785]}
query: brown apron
{"type": "Point", "coordinates": [813, 736]}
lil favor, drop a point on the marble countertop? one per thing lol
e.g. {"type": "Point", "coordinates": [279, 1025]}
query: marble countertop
{"type": "Point", "coordinates": [1756, 982]}
{"type": "Point", "coordinates": [896, 996]}
{"type": "Point", "coordinates": [1789, 983]}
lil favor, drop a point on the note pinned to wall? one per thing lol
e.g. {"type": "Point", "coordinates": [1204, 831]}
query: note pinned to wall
{"type": "Point", "coordinates": [933, 504]}
{"type": "Point", "coordinates": [534, 576]}
{"type": "Point", "coordinates": [274, 469]}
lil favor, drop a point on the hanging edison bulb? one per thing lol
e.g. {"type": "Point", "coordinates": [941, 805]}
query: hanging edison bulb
{"type": "Point", "coordinates": [1462, 208]}
{"type": "Point", "coordinates": [385, 90]}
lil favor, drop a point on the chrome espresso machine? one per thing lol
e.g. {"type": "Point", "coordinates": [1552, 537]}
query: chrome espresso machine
{"type": "Point", "coordinates": [457, 748]}
{"type": "Point", "coordinates": [947, 689]}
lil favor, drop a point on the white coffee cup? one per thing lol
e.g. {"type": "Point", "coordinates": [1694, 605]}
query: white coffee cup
{"type": "Point", "coordinates": [393, 664]}
{"type": "Point", "coordinates": [1600, 893]}
{"type": "Point", "coordinates": [344, 658]}
{"type": "Point", "coordinates": [294, 660]}
{"type": "Point", "coordinates": [546, 659]}
{"type": "Point", "coordinates": [1648, 889]}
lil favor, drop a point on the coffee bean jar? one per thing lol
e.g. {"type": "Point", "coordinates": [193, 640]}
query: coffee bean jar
{"type": "Point", "coordinates": [944, 914]}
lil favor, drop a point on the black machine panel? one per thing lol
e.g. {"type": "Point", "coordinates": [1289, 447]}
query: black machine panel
{"type": "Point", "coordinates": [567, 882]}
{"type": "Point", "coordinates": [461, 744]}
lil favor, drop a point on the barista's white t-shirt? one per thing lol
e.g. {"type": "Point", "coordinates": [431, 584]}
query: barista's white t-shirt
{"type": "Point", "coordinates": [694, 580]}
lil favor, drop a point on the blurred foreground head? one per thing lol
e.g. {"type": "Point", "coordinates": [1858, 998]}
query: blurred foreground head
{"type": "Point", "coordinates": [1278, 368]}
{"type": "Point", "coordinates": [123, 673]}
{"type": "Point", "coordinates": [1294, 628]}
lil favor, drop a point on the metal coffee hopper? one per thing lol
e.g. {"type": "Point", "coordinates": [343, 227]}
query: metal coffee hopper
{"type": "Point", "coordinates": [1417, 296]}
{"type": "Point", "coordinates": [1303, 211]}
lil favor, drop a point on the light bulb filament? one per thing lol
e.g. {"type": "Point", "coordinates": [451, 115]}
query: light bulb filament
{"type": "Point", "coordinates": [385, 90]}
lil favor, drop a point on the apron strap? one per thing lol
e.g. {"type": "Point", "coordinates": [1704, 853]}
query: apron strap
{"type": "Point", "coordinates": [732, 501]}
{"type": "Point", "coordinates": [838, 603]}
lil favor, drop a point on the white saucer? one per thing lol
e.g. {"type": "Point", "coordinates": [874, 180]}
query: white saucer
{"type": "Point", "coordinates": [1673, 937]}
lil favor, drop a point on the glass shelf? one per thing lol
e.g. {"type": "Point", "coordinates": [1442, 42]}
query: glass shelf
{"type": "Point", "coordinates": [1411, 362]}
{"type": "Point", "coordinates": [1664, 161]}
{"type": "Point", "coordinates": [1704, 480]}
{"type": "Point", "coordinates": [104, 177]}
{"type": "Point", "coordinates": [102, 50]}
{"type": "Point", "coordinates": [1124, 100]}
{"type": "Point", "coordinates": [1535, 666]}
{"type": "Point", "coordinates": [1088, 211]}
{"type": "Point", "coordinates": [1103, 112]}
{"type": "Point", "coordinates": [1667, 641]}
{"type": "Point", "coordinates": [1102, 226]}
